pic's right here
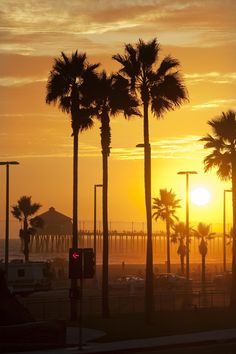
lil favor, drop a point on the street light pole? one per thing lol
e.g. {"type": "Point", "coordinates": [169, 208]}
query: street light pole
{"type": "Point", "coordinates": [95, 225]}
{"type": "Point", "coordinates": [7, 163]}
{"type": "Point", "coordinates": [224, 229]}
{"type": "Point", "coordinates": [187, 173]}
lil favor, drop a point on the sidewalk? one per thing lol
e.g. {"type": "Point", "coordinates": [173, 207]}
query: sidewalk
{"type": "Point", "coordinates": [147, 343]}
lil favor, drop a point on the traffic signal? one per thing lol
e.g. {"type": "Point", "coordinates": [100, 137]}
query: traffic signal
{"type": "Point", "coordinates": [75, 263]}
{"type": "Point", "coordinates": [89, 263]}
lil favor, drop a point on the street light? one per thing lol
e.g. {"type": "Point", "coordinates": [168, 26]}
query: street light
{"type": "Point", "coordinates": [224, 229]}
{"type": "Point", "coordinates": [187, 173]}
{"type": "Point", "coordinates": [95, 224]}
{"type": "Point", "coordinates": [7, 163]}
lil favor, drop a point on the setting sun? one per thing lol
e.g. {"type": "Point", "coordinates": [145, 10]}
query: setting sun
{"type": "Point", "coordinates": [200, 196]}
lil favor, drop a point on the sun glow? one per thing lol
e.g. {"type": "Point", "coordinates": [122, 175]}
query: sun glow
{"type": "Point", "coordinates": [200, 196]}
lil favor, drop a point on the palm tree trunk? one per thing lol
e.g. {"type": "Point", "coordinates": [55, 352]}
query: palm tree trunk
{"type": "Point", "coordinates": [26, 241]}
{"type": "Point", "coordinates": [105, 277]}
{"type": "Point", "coordinates": [168, 243]}
{"type": "Point", "coordinates": [203, 269]}
{"type": "Point", "coordinates": [182, 264]}
{"type": "Point", "coordinates": [73, 301]}
{"type": "Point", "coordinates": [149, 298]}
{"type": "Point", "coordinates": [233, 287]}
{"type": "Point", "coordinates": [105, 142]}
{"type": "Point", "coordinates": [75, 190]}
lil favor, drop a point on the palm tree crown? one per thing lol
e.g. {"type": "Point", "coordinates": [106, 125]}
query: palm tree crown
{"type": "Point", "coordinates": [70, 85]}
{"type": "Point", "coordinates": [22, 211]}
{"type": "Point", "coordinates": [162, 86]}
{"type": "Point", "coordinates": [24, 208]}
{"type": "Point", "coordinates": [112, 96]}
{"type": "Point", "coordinates": [223, 143]}
{"type": "Point", "coordinates": [203, 233]}
{"type": "Point", "coordinates": [166, 206]}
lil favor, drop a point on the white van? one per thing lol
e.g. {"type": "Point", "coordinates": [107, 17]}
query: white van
{"type": "Point", "coordinates": [28, 277]}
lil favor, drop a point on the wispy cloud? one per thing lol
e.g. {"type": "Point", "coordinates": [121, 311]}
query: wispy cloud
{"type": "Point", "coordinates": [215, 104]}
{"type": "Point", "coordinates": [187, 147]}
{"type": "Point", "coordinates": [15, 81]}
{"type": "Point", "coordinates": [92, 24]}
{"type": "Point", "coordinates": [211, 77]}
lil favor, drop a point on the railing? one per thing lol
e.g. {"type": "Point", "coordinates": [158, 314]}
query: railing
{"type": "Point", "coordinates": [164, 301]}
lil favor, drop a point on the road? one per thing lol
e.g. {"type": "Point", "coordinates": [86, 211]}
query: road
{"type": "Point", "coordinates": [219, 348]}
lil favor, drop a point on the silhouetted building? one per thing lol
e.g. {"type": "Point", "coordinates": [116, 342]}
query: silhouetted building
{"type": "Point", "coordinates": [56, 234]}
{"type": "Point", "coordinates": [55, 223]}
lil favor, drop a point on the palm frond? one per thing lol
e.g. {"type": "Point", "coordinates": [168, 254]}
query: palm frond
{"type": "Point", "coordinates": [172, 92]}
{"type": "Point", "coordinates": [224, 126]}
{"type": "Point", "coordinates": [147, 53]}
{"type": "Point", "coordinates": [166, 65]}
{"type": "Point", "coordinates": [16, 212]}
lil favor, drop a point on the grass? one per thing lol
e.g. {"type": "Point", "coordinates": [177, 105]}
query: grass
{"type": "Point", "coordinates": [133, 326]}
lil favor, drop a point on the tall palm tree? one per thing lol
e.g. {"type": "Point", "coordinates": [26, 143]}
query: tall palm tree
{"type": "Point", "coordinates": [22, 212]}
{"type": "Point", "coordinates": [165, 207]}
{"type": "Point", "coordinates": [179, 236]}
{"type": "Point", "coordinates": [112, 97]}
{"type": "Point", "coordinates": [70, 85]}
{"type": "Point", "coordinates": [161, 89]}
{"type": "Point", "coordinates": [223, 157]}
{"type": "Point", "coordinates": [204, 235]}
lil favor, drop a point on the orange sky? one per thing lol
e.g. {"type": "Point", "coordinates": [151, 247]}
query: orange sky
{"type": "Point", "coordinates": [201, 34]}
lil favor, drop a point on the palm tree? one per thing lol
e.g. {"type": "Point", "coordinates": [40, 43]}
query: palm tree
{"type": "Point", "coordinates": [112, 97]}
{"type": "Point", "coordinates": [22, 211]}
{"type": "Point", "coordinates": [204, 235]}
{"type": "Point", "coordinates": [179, 236]}
{"type": "Point", "coordinates": [165, 207]}
{"type": "Point", "coordinates": [70, 85]}
{"type": "Point", "coordinates": [160, 89]}
{"type": "Point", "coordinates": [223, 157]}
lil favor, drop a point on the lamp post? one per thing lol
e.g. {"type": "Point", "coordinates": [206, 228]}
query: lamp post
{"type": "Point", "coordinates": [224, 228]}
{"type": "Point", "coordinates": [95, 224]}
{"type": "Point", "coordinates": [187, 173]}
{"type": "Point", "coordinates": [7, 163]}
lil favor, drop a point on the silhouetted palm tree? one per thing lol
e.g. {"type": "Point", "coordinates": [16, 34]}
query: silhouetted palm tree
{"type": "Point", "coordinates": [70, 85]}
{"type": "Point", "coordinates": [165, 207]}
{"type": "Point", "coordinates": [22, 211]}
{"type": "Point", "coordinates": [230, 237]}
{"type": "Point", "coordinates": [161, 89]}
{"type": "Point", "coordinates": [112, 97]}
{"type": "Point", "coordinates": [204, 235]}
{"type": "Point", "coordinates": [179, 236]}
{"type": "Point", "coordinates": [223, 157]}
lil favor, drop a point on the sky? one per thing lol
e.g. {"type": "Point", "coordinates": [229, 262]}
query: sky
{"type": "Point", "coordinates": [201, 34]}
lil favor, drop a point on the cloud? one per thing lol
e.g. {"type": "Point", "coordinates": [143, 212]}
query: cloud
{"type": "Point", "coordinates": [210, 77]}
{"type": "Point", "coordinates": [187, 147]}
{"type": "Point", "coordinates": [97, 25]}
{"type": "Point", "coordinates": [215, 104]}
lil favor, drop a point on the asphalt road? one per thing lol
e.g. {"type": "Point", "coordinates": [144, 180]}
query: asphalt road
{"type": "Point", "coordinates": [219, 348]}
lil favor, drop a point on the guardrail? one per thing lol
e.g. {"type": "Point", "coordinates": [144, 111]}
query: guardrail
{"type": "Point", "coordinates": [48, 309]}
